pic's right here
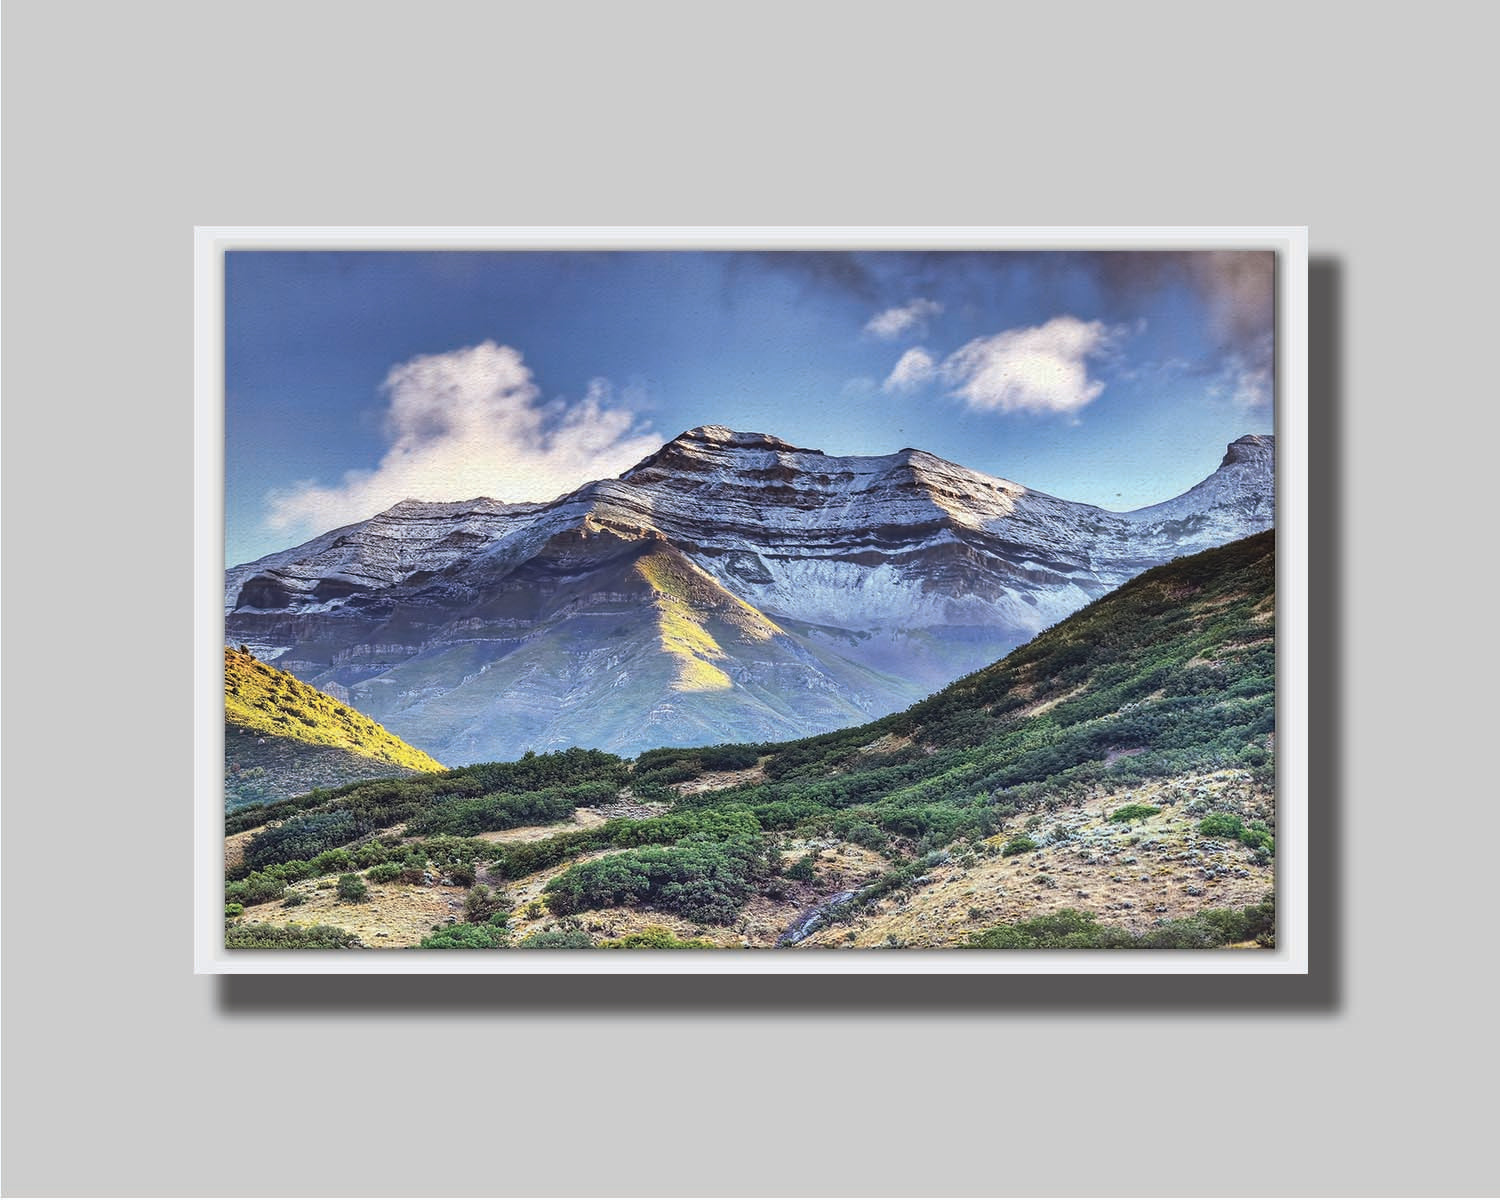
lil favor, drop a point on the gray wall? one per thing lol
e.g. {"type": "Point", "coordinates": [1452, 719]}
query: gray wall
{"type": "Point", "coordinates": [125, 124]}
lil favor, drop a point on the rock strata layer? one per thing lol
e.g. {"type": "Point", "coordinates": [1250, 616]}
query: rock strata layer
{"type": "Point", "coordinates": [730, 587]}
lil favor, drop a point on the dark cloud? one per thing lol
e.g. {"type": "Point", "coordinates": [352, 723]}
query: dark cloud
{"type": "Point", "coordinates": [1236, 286]}
{"type": "Point", "coordinates": [822, 270]}
{"type": "Point", "coordinates": [1238, 291]}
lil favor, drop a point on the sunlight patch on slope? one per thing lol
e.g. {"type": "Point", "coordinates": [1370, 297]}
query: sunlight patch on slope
{"type": "Point", "coordinates": [681, 629]}
{"type": "Point", "coordinates": [269, 701]}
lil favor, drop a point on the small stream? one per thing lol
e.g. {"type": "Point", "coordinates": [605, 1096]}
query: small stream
{"type": "Point", "coordinates": [808, 918]}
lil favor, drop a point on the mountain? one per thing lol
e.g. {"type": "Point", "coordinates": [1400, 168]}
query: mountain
{"type": "Point", "coordinates": [283, 738]}
{"type": "Point", "coordinates": [730, 587]}
{"type": "Point", "coordinates": [1110, 784]}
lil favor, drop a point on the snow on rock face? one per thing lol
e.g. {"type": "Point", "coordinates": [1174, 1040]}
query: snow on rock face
{"type": "Point", "coordinates": [862, 541]}
{"type": "Point", "coordinates": [1236, 500]}
{"type": "Point", "coordinates": [387, 549]}
{"type": "Point", "coordinates": [904, 565]}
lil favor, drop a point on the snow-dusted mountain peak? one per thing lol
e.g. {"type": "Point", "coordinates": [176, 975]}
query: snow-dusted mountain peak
{"type": "Point", "coordinates": [477, 629]}
{"type": "Point", "coordinates": [411, 507]}
{"type": "Point", "coordinates": [1252, 448]}
{"type": "Point", "coordinates": [722, 435]}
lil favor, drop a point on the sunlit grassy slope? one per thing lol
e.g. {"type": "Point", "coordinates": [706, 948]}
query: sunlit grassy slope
{"type": "Point", "coordinates": [282, 734]}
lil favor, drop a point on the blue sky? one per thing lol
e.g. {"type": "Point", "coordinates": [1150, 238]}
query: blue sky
{"type": "Point", "coordinates": [355, 379]}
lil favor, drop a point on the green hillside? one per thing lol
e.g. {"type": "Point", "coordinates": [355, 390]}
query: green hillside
{"type": "Point", "coordinates": [283, 737]}
{"type": "Point", "coordinates": [1129, 748]}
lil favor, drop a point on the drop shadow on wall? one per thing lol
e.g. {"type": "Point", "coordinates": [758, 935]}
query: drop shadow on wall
{"type": "Point", "coordinates": [844, 995]}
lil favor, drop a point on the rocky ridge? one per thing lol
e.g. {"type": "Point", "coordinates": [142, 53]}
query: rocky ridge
{"type": "Point", "coordinates": [730, 586]}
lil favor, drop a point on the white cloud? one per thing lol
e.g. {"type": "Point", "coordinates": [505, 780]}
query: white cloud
{"type": "Point", "coordinates": [911, 317]}
{"type": "Point", "coordinates": [469, 423]}
{"type": "Point", "coordinates": [1042, 368]}
{"type": "Point", "coordinates": [912, 370]}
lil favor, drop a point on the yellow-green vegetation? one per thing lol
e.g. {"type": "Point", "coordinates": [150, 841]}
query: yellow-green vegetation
{"type": "Point", "coordinates": [273, 703]}
{"type": "Point", "coordinates": [655, 937]}
{"type": "Point", "coordinates": [683, 595]}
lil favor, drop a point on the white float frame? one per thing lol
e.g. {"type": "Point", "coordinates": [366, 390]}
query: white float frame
{"type": "Point", "coordinates": [1291, 954]}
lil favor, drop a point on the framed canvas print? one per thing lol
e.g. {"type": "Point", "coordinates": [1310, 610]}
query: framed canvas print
{"type": "Point", "coordinates": [751, 600]}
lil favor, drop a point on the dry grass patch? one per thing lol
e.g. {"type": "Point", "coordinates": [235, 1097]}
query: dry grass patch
{"type": "Point", "coordinates": [582, 818]}
{"type": "Point", "coordinates": [234, 847]}
{"type": "Point", "coordinates": [715, 781]}
{"type": "Point", "coordinates": [1131, 875]}
{"type": "Point", "coordinates": [395, 915]}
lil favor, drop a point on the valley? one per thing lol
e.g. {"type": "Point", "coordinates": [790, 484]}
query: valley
{"type": "Point", "coordinates": [1108, 784]}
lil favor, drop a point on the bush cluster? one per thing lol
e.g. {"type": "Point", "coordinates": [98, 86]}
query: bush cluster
{"type": "Point", "coordinates": [1134, 812]}
{"type": "Point", "coordinates": [655, 937]}
{"type": "Point", "coordinates": [245, 936]}
{"type": "Point", "coordinates": [467, 937]}
{"type": "Point", "coordinates": [702, 879]}
{"type": "Point", "coordinates": [352, 889]}
{"type": "Point", "coordinates": [557, 939]}
{"type": "Point", "coordinates": [485, 904]}
{"type": "Point", "coordinates": [802, 869]}
{"type": "Point", "coordinates": [1257, 835]}
{"type": "Point", "coordinates": [1070, 929]}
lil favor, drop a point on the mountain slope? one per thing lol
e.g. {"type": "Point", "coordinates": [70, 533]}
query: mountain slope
{"type": "Point", "coordinates": [283, 738]}
{"type": "Point", "coordinates": [1175, 670]}
{"type": "Point", "coordinates": [841, 588]}
{"type": "Point", "coordinates": [1120, 765]}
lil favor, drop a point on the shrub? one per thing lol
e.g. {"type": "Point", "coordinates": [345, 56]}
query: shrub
{"type": "Point", "coordinates": [233, 910]}
{"type": "Point", "coordinates": [462, 874]}
{"type": "Point", "coordinates": [287, 937]}
{"type": "Point", "coordinates": [1221, 824]}
{"type": "Point", "coordinates": [465, 816]}
{"type": "Point", "coordinates": [373, 853]}
{"type": "Point", "coordinates": [294, 900]}
{"type": "Point", "coordinates": [484, 903]}
{"type": "Point", "coordinates": [352, 888]}
{"type": "Point", "coordinates": [1258, 837]}
{"type": "Point", "coordinates": [467, 937]}
{"type": "Point", "coordinates": [301, 837]}
{"type": "Point", "coordinates": [802, 869]}
{"type": "Point", "coordinates": [385, 872]}
{"type": "Point", "coordinates": [729, 758]}
{"type": "Point", "coordinates": [862, 833]}
{"type": "Point", "coordinates": [701, 878]}
{"type": "Point", "coordinates": [1069, 929]}
{"type": "Point", "coordinates": [1134, 812]}
{"type": "Point", "coordinates": [1017, 845]}
{"type": "Point", "coordinates": [656, 937]}
{"type": "Point", "coordinates": [558, 939]}
{"type": "Point", "coordinates": [332, 861]}
{"type": "Point", "coordinates": [258, 887]}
